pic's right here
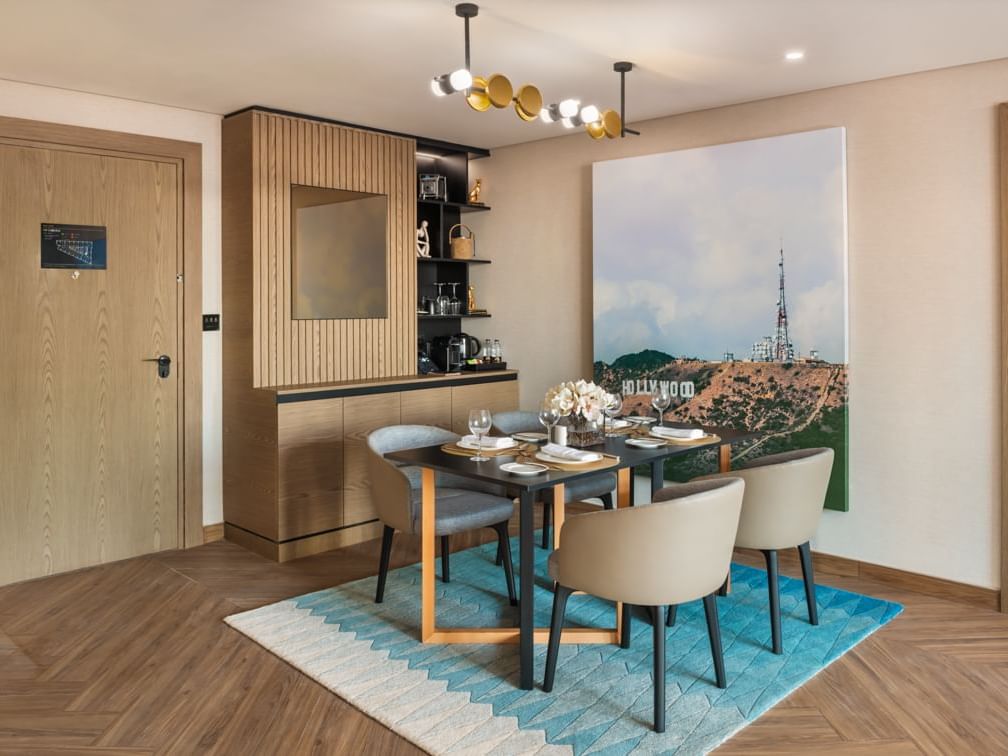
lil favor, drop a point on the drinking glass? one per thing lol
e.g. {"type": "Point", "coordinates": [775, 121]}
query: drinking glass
{"type": "Point", "coordinates": [549, 416]}
{"type": "Point", "coordinates": [479, 425]}
{"type": "Point", "coordinates": [454, 304]}
{"type": "Point", "coordinates": [612, 410]}
{"type": "Point", "coordinates": [660, 400]}
{"type": "Point", "coordinates": [443, 303]}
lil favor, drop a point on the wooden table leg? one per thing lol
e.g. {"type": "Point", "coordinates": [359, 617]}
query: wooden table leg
{"type": "Point", "coordinates": [724, 465]}
{"type": "Point", "coordinates": [559, 512]}
{"type": "Point", "coordinates": [526, 549]}
{"type": "Point", "coordinates": [428, 605]}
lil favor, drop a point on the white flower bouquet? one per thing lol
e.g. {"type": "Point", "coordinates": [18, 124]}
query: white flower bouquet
{"type": "Point", "coordinates": [579, 400]}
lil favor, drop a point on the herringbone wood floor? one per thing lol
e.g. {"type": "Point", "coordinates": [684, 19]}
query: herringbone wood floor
{"type": "Point", "coordinates": [133, 657]}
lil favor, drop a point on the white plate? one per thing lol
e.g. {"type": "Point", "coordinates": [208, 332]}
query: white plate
{"type": "Point", "coordinates": [531, 436]}
{"type": "Point", "coordinates": [557, 460]}
{"type": "Point", "coordinates": [472, 447]}
{"type": "Point", "coordinates": [645, 443]}
{"type": "Point", "coordinates": [618, 424]}
{"type": "Point", "coordinates": [523, 468]}
{"type": "Point", "coordinates": [676, 439]}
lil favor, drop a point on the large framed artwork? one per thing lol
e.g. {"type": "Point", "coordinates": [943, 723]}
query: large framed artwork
{"type": "Point", "coordinates": [721, 272]}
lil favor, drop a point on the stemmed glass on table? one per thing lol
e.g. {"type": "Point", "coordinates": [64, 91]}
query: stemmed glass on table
{"type": "Point", "coordinates": [549, 416]}
{"type": "Point", "coordinates": [612, 409]}
{"type": "Point", "coordinates": [660, 400]}
{"type": "Point", "coordinates": [479, 425]}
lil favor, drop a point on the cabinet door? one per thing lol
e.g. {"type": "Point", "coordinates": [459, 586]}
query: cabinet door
{"type": "Point", "coordinates": [361, 415]}
{"type": "Point", "coordinates": [428, 407]}
{"type": "Point", "coordinates": [501, 396]}
{"type": "Point", "coordinates": [310, 449]}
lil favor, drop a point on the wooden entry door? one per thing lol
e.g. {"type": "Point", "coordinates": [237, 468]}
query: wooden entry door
{"type": "Point", "coordinates": [89, 444]}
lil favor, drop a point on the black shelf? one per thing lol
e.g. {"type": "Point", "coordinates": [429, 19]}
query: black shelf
{"type": "Point", "coordinates": [453, 317]}
{"type": "Point", "coordinates": [462, 207]}
{"type": "Point", "coordinates": [455, 260]}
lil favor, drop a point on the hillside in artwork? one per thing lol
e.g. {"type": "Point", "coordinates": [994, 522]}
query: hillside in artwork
{"type": "Point", "coordinates": [792, 405]}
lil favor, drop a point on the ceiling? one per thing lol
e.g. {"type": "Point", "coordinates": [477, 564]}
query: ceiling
{"type": "Point", "coordinates": [370, 61]}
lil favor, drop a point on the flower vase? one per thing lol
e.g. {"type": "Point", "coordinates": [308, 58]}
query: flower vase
{"type": "Point", "coordinates": [582, 432]}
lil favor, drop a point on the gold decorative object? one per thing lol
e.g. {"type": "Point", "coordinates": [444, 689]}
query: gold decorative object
{"type": "Point", "coordinates": [471, 304]}
{"type": "Point", "coordinates": [474, 193]}
{"type": "Point", "coordinates": [528, 102]}
{"type": "Point", "coordinates": [494, 90]}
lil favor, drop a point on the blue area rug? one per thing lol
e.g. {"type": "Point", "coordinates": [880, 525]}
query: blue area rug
{"type": "Point", "coordinates": [465, 699]}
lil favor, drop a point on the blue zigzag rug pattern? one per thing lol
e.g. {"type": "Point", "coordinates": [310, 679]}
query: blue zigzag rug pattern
{"type": "Point", "coordinates": [464, 698]}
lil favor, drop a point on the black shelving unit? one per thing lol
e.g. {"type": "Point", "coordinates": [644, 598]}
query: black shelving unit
{"type": "Point", "coordinates": [452, 162]}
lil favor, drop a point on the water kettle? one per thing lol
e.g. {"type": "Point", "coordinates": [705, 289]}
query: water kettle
{"type": "Point", "coordinates": [469, 346]}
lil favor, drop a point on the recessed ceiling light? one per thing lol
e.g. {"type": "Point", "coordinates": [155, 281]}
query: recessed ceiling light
{"type": "Point", "coordinates": [794, 55]}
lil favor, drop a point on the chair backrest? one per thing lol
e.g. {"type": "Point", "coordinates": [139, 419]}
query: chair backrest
{"type": "Point", "coordinates": [516, 421]}
{"type": "Point", "coordinates": [784, 498]}
{"type": "Point", "coordinates": [675, 550]}
{"type": "Point", "coordinates": [391, 484]}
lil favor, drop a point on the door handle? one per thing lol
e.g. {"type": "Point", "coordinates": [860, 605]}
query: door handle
{"type": "Point", "coordinates": [163, 365]}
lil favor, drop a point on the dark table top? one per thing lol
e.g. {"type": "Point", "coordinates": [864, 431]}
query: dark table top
{"type": "Point", "coordinates": [490, 472]}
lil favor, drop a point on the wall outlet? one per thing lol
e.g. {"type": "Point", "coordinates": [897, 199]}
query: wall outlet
{"type": "Point", "coordinates": [211, 322]}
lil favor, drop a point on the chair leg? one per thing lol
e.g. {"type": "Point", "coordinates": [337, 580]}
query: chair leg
{"type": "Point", "coordinates": [560, 595]}
{"type": "Point", "coordinates": [658, 632]}
{"type": "Point", "coordinates": [670, 616]}
{"type": "Point", "coordinates": [625, 621]}
{"type": "Point", "coordinates": [714, 633]}
{"type": "Point", "coordinates": [383, 562]}
{"type": "Point", "coordinates": [772, 586]}
{"type": "Point", "coordinates": [607, 500]}
{"type": "Point", "coordinates": [504, 548]}
{"type": "Point", "coordinates": [500, 555]}
{"type": "Point", "coordinates": [723, 590]}
{"type": "Point", "coordinates": [547, 518]}
{"type": "Point", "coordinates": [445, 551]}
{"type": "Point", "coordinates": [805, 552]}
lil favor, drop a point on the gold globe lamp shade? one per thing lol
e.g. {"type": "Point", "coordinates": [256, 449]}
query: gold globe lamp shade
{"type": "Point", "coordinates": [493, 90]}
{"type": "Point", "coordinates": [611, 123]}
{"type": "Point", "coordinates": [528, 102]}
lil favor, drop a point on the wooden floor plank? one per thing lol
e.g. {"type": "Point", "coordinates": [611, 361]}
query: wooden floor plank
{"type": "Point", "coordinates": [134, 658]}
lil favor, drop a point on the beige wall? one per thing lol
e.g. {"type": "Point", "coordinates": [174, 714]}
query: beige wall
{"type": "Point", "coordinates": [19, 100]}
{"type": "Point", "coordinates": [922, 192]}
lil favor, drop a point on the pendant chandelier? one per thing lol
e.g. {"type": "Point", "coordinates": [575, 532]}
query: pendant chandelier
{"type": "Point", "coordinates": [482, 92]}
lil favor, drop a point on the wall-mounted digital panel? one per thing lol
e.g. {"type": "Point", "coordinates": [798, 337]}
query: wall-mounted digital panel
{"type": "Point", "coordinates": [68, 245]}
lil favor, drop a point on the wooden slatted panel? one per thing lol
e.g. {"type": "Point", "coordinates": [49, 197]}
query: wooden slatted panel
{"type": "Point", "coordinates": [290, 151]}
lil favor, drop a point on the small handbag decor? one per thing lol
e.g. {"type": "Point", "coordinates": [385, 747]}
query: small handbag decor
{"type": "Point", "coordinates": [462, 247]}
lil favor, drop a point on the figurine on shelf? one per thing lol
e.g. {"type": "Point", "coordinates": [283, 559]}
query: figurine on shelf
{"type": "Point", "coordinates": [423, 240]}
{"type": "Point", "coordinates": [471, 304]}
{"type": "Point", "coordinates": [474, 193]}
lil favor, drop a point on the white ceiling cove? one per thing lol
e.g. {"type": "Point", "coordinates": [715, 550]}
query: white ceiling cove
{"type": "Point", "coordinates": [370, 61]}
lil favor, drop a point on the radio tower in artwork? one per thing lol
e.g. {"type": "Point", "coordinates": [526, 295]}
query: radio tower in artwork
{"type": "Point", "coordinates": [782, 350]}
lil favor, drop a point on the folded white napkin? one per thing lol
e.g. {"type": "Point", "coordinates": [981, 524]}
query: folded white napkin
{"type": "Point", "coordinates": [489, 442]}
{"type": "Point", "coordinates": [573, 455]}
{"type": "Point", "coordinates": [682, 434]}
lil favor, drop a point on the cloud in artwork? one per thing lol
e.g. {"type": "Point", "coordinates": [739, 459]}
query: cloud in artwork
{"type": "Point", "coordinates": [686, 247]}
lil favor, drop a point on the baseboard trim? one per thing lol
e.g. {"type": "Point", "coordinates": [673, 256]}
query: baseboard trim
{"type": "Point", "coordinates": [214, 532]}
{"type": "Point", "coordinates": [950, 590]}
{"type": "Point", "coordinates": [314, 544]}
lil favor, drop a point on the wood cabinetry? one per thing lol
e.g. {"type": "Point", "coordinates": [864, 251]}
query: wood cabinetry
{"type": "Point", "coordinates": [296, 479]}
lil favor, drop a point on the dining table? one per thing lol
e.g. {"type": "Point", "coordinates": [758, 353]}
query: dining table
{"type": "Point", "coordinates": [622, 457]}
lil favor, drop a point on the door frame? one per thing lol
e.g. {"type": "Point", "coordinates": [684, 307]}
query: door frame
{"type": "Point", "coordinates": [1002, 132]}
{"type": "Point", "coordinates": [188, 156]}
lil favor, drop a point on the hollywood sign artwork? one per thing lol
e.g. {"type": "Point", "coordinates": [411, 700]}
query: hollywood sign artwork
{"type": "Point", "coordinates": [675, 389]}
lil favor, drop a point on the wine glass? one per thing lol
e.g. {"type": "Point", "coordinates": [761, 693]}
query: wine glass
{"type": "Point", "coordinates": [479, 424]}
{"type": "Point", "coordinates": [612, 409]}
{"type": "Point", "coordinates": [660, 400]}
{"type": "Point", "coordinates": [549, 416]}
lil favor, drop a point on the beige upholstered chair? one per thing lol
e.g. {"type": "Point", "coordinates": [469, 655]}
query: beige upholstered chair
{"type": "Point", "coordinates": [675, 550]}
{"type": "Point", "coordinates": [598, 486]}
{"type": "Point", "coordinates": [783, 502]}
{"type": "Point", "coordinates": [460, 505]}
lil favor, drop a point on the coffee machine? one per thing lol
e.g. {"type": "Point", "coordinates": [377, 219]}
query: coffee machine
{"type": "Point", "coordinates": [446, 353]}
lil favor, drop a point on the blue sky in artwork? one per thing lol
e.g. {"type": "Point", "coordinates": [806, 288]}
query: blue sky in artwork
{"type": "Point", "coordinates": [686, 247]}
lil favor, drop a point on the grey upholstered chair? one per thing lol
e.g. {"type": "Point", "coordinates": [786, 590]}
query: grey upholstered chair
{"type": "Point", "coordinates": [459, 505]}
{"type": "Point", "coordinates": [598, 486]}
{"type": "Point", "coordinates": [675, 550]}
{"type": "Point", "coordinates": [783, 502]}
